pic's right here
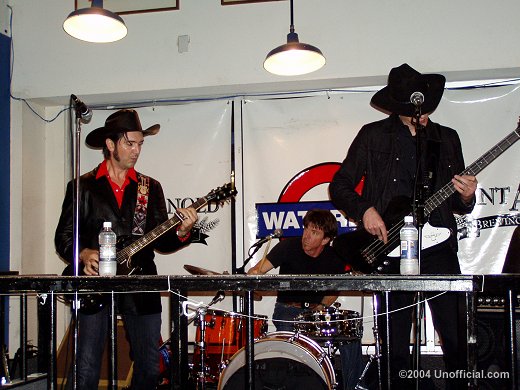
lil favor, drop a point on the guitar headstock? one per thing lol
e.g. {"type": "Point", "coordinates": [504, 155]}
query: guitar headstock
{"type": "Point", "coordinates": [222, 194]}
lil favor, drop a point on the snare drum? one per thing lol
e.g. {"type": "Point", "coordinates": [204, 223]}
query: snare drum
{"type": "Point", "coordinates": [332, 323]}
{"type": "Point", "coordinates": [225, 334]}
{"type": "Point", "coordinates": [282, 360]}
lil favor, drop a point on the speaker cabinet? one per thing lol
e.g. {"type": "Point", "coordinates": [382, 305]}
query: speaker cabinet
{"type": "Point", "coordinates": [65, 359]}
{"type": "Point", "coordinates": [494, 355]}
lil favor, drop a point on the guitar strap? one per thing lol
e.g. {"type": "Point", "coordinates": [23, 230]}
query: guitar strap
{"type": "Point", "coordinates": [143, 189]}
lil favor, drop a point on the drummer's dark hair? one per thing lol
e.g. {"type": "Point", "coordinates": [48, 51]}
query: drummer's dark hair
{"type": "Point", "coordinates": [323, 220]}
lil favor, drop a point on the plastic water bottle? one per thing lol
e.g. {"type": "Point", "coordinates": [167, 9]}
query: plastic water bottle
{"type": "Point", "coordinates": [107, 251]}
{"type": "Point", "coordinates": [409, 247]}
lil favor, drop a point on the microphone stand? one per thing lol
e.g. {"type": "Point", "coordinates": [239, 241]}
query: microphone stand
{"type": "Point", "coordinates": [256, 246]}
{"type": "Point", "coordinates": [418, 214]}
{"type": "Point", "coordinates": [75, 223]}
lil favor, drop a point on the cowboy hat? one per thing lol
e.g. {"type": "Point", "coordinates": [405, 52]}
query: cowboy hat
{"type": "Point", "coordinates": [403, 81]}
{"type": "Point", "coordinates": [121, 121]}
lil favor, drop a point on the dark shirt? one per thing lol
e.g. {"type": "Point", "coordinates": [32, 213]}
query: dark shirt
{"type": "Point", "coordinates": [292, 260]}
{"type": "Point", "coordinates": [408, 165]}
{"type": "Point", "coordinates": [374, 156]}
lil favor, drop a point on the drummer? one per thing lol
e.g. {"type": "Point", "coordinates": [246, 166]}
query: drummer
{"type": "Point", "coordinates": [310, 255]}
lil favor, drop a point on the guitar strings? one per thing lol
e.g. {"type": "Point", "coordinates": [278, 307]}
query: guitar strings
{"type": "Point", "coordinates": [377, 247]}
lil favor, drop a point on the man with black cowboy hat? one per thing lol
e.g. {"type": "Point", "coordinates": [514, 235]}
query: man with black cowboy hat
{"type": "Point", "coordinates": [110, 193]}
{"type": "Point", "coordinates": [383, 154]}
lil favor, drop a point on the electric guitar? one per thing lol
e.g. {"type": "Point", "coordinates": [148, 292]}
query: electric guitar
{"type": "Point", "coordinates": [92, 303]}
{"type": "Point", "coordinates": [368, 254]}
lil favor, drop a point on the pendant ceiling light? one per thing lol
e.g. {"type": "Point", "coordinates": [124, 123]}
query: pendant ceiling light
{"type": "Point", "coordinates": [294, 58]}
{"type": "Point", "coordinates": [95, 24]}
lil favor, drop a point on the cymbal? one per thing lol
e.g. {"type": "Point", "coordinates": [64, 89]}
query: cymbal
{"type": "Point", "coordinates": [199, 271]}
{"type": "Point", "coordinates": [202, 271]}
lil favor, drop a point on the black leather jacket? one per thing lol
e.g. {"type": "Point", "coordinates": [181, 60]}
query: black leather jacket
{"type": "Point", "coordinates": [374, 156]}
{"type": "Point", "coordinates": [98, 204]}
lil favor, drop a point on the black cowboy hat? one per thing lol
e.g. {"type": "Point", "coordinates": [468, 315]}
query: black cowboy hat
{"type": "Point", "coordinates": [120, 121]}
{"type": "Point", "coordinates": [403, 81]}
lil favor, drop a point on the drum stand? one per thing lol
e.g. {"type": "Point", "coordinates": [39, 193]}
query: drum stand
{"type": "Point", "coordinates": [377, 350]}
{"type": "Point", "coordinates": [201, 374]}
{"type": "Point", "coordinates": [200, 315]}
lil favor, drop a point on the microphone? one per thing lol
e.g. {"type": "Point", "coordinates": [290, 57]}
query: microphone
{"type": "Point", "coordinates": [82, 110]}
{"type": "Point", "coordinates": [417, 99]}
{"type": "Point", "coordinates": [276, 234]}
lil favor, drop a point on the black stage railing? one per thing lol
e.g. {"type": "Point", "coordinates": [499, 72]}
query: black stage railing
{"type": "Point", "coordinates": [180, 285]}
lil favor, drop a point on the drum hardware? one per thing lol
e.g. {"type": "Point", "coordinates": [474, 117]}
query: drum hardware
{"type": "Point", "coordinates": [201, 374]}
{"type": "Point", "coordinates": [200, 317]}
{"type": "Point", "coordinates": [377, 350]}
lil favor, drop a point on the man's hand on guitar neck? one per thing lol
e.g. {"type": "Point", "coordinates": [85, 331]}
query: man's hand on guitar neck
{"type": "Point", "coordinates": [374, 224]}
{"type": "Point", "coordinates": [90, 260]}
{"type": "Point", "coordinates": [189, 217]}
{"type": "Point", "coordinates": [465, 185]}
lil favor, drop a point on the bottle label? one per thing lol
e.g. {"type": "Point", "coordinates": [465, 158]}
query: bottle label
{"type": "Point", "coordinates": [409, 249]}
{"type": "Point", "coordinates": [107, 252]}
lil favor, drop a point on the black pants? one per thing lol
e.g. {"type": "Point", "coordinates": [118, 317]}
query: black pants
{"type": "Point", "coordinates": [448, 316]}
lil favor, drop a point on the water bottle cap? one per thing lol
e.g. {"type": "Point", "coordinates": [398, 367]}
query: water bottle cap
{"type": "Point", "coordinates": [408, 218]}
{"type": "Point", "coordinates": [107, 224]}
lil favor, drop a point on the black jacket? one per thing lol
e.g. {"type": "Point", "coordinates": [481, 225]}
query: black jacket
{"type": "Point", "coordinates": [98, 204]}
{"type": "Point", "coordinates": [374, 156]}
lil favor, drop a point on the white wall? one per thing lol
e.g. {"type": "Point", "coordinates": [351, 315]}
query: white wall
{"type": "Point", "coordinates": [360, 39]}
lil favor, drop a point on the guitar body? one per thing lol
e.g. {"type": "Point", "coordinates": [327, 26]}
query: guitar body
{"type": "Point", "coordinates": [352, 246]}
{"type": "Point", "coordinates": [349, 247]}
{"type": "Point", "coordinates": [88, 303]}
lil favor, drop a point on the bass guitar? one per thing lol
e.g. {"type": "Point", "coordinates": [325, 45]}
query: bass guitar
{"type": "Point", "coordinates": [92, 303]}
{"type": "Point", "coordinates": [366, 253]}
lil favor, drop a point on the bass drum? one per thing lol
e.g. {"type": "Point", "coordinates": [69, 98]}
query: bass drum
{"type": "Point", "coordinates": [283, 360]}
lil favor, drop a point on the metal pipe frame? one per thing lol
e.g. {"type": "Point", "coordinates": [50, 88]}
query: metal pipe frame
{"type": "Point", "coordinates": [468, 284]}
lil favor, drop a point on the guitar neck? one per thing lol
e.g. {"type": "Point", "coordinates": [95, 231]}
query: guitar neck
{"type": "Point", "coordinates": [487, 158]}
{"type": "Point", "coordinates": [155, 233]}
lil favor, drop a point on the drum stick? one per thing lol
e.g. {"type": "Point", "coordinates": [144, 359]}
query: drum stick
{"type": "Point", "coordinates": [265, 253]}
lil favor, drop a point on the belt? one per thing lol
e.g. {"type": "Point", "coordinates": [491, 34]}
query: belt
{"type": "Point", "coordinates": [303, 305]}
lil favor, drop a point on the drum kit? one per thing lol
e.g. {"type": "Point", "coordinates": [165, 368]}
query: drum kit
{"type": "Point", "coordinates": [308, 352]}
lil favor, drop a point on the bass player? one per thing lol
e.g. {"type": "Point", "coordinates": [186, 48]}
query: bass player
{"type": "Point", "coordinates": [383, 155]}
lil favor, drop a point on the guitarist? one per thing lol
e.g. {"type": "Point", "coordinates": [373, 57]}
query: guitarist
{"type": "Point", "coordinates": [110, 193]}
{"type": "Point", "coordinates": [383, 154]}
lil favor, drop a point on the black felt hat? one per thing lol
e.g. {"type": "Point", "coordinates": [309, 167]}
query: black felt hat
{"type": "Point", "coordinates": [121, 121]}
{"type": "Point", "coordinates": [403, 81]}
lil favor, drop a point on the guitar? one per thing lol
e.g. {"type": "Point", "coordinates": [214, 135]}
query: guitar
{"type": "Point", "coordinates": [368, 254]}
{"type": "Point", "coordinates": [92, 303]}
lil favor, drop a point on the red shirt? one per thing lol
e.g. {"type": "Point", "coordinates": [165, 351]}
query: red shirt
{"type": "Point", "coordinates": [118, 191]}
